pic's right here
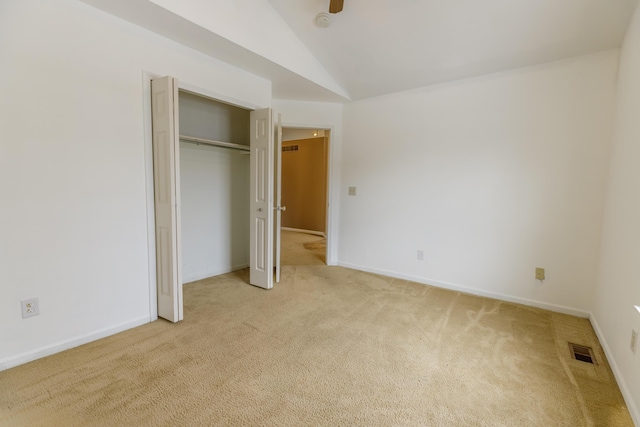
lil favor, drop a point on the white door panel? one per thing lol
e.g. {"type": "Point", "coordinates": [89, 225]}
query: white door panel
{"type": "Point", "coordinates": [166, 176]}
{"type": "Point", "coordinates": [261, 189]}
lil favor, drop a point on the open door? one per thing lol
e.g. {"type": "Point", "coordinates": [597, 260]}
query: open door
{"type": "Point", "coordinates": [261, 204]}
{"type": "Point", "coordinates": [278, 189]}
{"type": "Point", "coordinates": [166, 180]}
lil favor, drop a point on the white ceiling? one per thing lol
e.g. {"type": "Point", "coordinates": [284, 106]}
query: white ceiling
{"type": "Point", "coordinates": [376, 47]}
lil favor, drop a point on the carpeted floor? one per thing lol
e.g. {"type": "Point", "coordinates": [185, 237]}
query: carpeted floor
{"type": "Point", "coordinates": [303, 249]}
{"type": "Point", "coordinates": [328, 346]}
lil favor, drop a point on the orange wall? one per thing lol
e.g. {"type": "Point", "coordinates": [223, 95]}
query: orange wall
{"type": "Point", "coordinates": [304, 184]}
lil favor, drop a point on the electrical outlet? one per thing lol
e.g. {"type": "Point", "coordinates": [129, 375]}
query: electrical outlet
{"type": "Point", "coordinates": [352, 191]}
{"type": "Point", "coordinates": [420, 255]}
{"type": "Point", "coordinates": [539, 273]}
{"type": "Point", "coordinates": [634, 341]}
{"type": "Point", "coordinates": [30, 307]}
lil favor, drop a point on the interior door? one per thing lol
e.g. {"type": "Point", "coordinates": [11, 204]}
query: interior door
{"type": "Point", "coordinates": [166, 180]}
{"type": "Point", "coordinates": [278, 190]}
{"type": "Point", "coordinates": [261, 204]}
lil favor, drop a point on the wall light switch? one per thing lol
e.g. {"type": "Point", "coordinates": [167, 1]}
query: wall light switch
{"type": "Point", "coordinates": [352, 191]}
{"type": "Point", "coordinates": [634, 341]}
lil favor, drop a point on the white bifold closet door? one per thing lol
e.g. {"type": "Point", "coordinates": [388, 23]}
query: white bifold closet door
{"type": "Point", "coordinates": [261, 257]}
{"type": "Point", "coordinates": [265, 193]}
{"type": "Point", "coordinates": [166, 180]}
{"type": "Point", "coordinates": [166, 161]}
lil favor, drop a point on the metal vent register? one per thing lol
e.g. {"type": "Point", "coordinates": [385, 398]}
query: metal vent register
{"type": "Point", "coordinates": [582, 353]}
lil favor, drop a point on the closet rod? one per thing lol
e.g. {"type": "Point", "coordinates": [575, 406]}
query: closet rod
{"type": "Point", "coordinates": [214, 143]}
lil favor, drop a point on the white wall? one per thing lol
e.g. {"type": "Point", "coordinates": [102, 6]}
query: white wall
{"type": "Point", "coordinates": [214, 195]}
{"type": "Point", "coordinates": [73, 221]}
{"type": "Point", "coordinates": [292, 134]}
{"type": "Point", "coordinates": [321, 115]}
{"type": "Point", "coordinates": [257, 27]}
{"type": "Point", "coordinates": [202, 117]}
{"type": "Point", "coordinates": [491, 177]}
{"type": "Point", "coordinates": [618, 286]}
{"type": "Point", "coordinates": [214, 185]}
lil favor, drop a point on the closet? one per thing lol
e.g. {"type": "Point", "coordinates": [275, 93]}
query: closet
{"type": "Point", "coordinates": [214, 186]}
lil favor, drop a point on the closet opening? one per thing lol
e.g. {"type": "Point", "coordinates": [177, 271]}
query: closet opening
{"type": "Point", "coordinates": [305, 159]}
{"type": "Point", "coordinates": [214, 186]}
{"type": "Point", "coordinates": [210, 193]}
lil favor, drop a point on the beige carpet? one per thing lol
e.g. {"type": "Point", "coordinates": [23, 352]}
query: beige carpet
{"type": "Point", "coordinates": [326, 347]}
{"type": "Point", "coordinates": [303, 249]}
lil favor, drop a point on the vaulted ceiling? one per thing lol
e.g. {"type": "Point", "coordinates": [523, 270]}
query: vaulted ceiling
{"type": "Point", "coordinates": [375, 47]}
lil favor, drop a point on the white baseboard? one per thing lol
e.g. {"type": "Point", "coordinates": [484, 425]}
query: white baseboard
{"type": "Point", "coordinates": [631, 405]}
{"type": "Point", "coordinates": [479, 292]}
{"type": "Point", "coordinates": [299, 230]}
{"type": "Point", "coordinates": [29, 356]}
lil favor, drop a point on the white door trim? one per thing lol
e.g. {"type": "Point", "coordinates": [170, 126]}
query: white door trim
{"type": "Point", "coordinates": [151, 215]}
{"type": "Point", "coordinates": [277, 154]}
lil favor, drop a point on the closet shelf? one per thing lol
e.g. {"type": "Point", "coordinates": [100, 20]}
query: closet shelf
{"type": "Point", "coordinates": [214, 143]}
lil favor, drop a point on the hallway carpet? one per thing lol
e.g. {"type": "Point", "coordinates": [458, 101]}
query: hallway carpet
{"type": "Point", "coordinates": [328, 346]}
{"type": "Point", "coordinates": [303, 249]}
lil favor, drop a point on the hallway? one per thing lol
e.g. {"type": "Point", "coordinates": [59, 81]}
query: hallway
{"type": "Point", "coordinates": [302, 249]}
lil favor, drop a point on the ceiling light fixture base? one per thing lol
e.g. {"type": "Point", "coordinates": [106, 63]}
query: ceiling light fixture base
{"type": "Point", "coordinates": [323, 20]}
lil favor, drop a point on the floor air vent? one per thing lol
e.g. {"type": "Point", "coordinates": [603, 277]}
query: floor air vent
{"type": "Point", "coordinates": [290, 148]}
{"type": "Point", "coordinates": [582, 353]}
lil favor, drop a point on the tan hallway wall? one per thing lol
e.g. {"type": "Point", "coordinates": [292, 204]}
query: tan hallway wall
{"type": "Point", "coordinates": [304, 184]}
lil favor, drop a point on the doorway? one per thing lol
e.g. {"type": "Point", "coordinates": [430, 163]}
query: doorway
{"type": "Point", "coordinates": [305, 172]}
